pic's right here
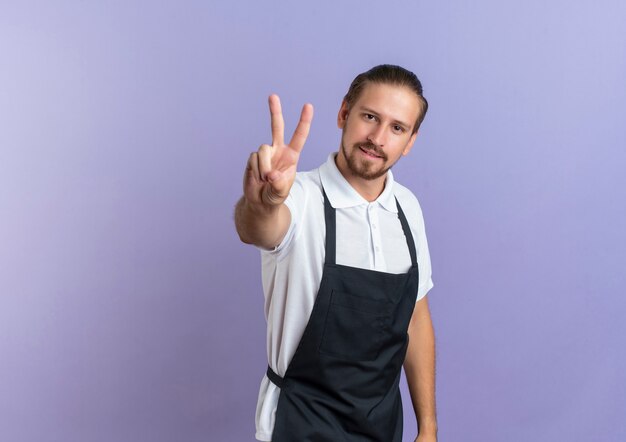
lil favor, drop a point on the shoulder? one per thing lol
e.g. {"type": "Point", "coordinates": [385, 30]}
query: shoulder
{"type": "Point", "coordinates": [306, 185]}
{"type": "Point", "coordinates": [409, 202]}
{"type": "Point", "coordinates": [305, 195]}
{"type": "Point", "coordinates": [308, 179]}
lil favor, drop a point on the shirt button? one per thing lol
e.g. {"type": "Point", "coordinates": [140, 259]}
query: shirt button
{"type": "Point", "coordinates": [377, 249]}
{"type": "Point", "coordinates": [373, 226]}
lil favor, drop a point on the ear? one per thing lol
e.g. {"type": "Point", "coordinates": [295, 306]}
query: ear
{"type": "Point", "coordinates": [409, 145]}
{"type": "Point", "coordinates": [342, 117]}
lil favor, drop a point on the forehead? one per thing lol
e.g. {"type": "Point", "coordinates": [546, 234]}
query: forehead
{"type": "Point", "coordinates": [389, 100]}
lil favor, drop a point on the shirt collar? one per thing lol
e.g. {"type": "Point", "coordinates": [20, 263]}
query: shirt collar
{"type": "Point", "coordinates": [342, 195]}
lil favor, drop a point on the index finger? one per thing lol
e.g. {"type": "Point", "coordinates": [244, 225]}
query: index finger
{"type": "Point", "coordinates": [302, 129]}
{"type": "Point", "coordinates": [278, 124]}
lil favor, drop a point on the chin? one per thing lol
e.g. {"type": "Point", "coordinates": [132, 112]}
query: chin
{"type": "Point", "coordinates": [362, 171]}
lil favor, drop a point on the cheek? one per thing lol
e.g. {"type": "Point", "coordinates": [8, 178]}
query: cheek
{"type": "Point", "coordinates": [360, 133]}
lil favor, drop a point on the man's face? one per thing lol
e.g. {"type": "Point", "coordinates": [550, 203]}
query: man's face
{"type": "Point", "coordinates": [377, 130]}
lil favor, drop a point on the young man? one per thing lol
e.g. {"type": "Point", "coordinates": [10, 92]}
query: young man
{"type": "Point", "coordinates": [346, 269]}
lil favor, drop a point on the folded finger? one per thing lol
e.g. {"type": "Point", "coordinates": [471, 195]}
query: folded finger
{"type": "Point", "coordinates": [252, 168]}
{"type": "Point", "coordinates": [265, 161]}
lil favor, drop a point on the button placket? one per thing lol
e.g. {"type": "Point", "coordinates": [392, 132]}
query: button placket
{"type": "Point", "coordinates": [375, 233]}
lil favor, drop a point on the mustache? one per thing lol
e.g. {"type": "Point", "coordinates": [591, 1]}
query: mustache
{"type": "Point", "coordinates": [369, 146]}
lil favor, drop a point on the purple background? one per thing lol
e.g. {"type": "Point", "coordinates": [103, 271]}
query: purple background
{"type": "Point", "coordinates": [129, 311]}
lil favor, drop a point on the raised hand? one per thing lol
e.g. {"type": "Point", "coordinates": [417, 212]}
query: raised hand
{"type": "Point", "coordinates": [271, 170]}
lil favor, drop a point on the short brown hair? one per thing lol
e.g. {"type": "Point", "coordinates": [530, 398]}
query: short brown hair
{"type": "Point", "coordinates": [388, 74]}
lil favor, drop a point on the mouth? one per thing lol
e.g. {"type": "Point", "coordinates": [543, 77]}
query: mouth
{"type": "Point", "coordinates": [370, 153]}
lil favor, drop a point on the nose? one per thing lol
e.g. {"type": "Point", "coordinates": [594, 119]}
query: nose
{"type": "Point", "coordinates": [377, 136]}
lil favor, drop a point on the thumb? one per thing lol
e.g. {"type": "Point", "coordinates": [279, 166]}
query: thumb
{"type": "Point", "coordinates": [278, 188]}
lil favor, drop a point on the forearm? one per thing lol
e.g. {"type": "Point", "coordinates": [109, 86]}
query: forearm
{"type": "Point", "coordinates": [261, 225]}
{"type": "Point", "coordinates": [419, 367]}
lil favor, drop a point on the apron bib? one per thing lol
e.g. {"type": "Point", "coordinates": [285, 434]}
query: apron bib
{"type": "Point", "coordinates": [343, 381]}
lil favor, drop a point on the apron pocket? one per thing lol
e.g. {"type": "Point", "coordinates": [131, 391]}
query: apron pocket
{"type": "Point", "coordinates": [354, 327]}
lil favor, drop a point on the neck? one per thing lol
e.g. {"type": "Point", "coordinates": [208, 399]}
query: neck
{"type": "Point", "coordinates": [368, 189]}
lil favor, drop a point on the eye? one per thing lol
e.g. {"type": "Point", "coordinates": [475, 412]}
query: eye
{"type": "Point", "coordinates": [398, 129]}
{"type": "Point", "coordinates": [369, 117]}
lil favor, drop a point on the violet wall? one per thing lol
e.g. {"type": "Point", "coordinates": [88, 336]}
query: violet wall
{"type": "Point", "coordinates": [130, 312]}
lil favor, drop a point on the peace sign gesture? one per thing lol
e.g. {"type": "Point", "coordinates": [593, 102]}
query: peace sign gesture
{"type": "Point", "coordinates": [272, 169]}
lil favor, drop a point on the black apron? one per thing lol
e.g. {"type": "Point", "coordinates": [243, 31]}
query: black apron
{"type": "Point", "coordinates": [343, 381]}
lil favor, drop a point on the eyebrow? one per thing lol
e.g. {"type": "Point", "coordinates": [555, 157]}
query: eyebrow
{"type": "Point", "coordinates": [373, 112]}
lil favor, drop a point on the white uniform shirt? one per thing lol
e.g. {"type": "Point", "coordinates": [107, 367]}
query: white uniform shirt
{"type": "Point", "coordinates": [292, 272]}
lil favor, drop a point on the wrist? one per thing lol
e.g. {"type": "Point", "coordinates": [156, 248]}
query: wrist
{"type": "Point", "coordinates": [427, 427]}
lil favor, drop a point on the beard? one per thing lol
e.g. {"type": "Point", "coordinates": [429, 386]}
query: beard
{"type": "Point", "coordinates": [361, 167]}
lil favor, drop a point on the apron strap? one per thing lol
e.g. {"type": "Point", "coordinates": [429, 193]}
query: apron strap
{"type": "Point", "coordinates": [407, 233]}
{"type": "Point", "coordinates": [272, 376]}
{"type": "Point", "coordinates": [331, 245]}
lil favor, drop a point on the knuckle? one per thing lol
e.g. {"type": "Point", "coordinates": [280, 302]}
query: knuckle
{"type": "Point", "coordinates": [266, 151]}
